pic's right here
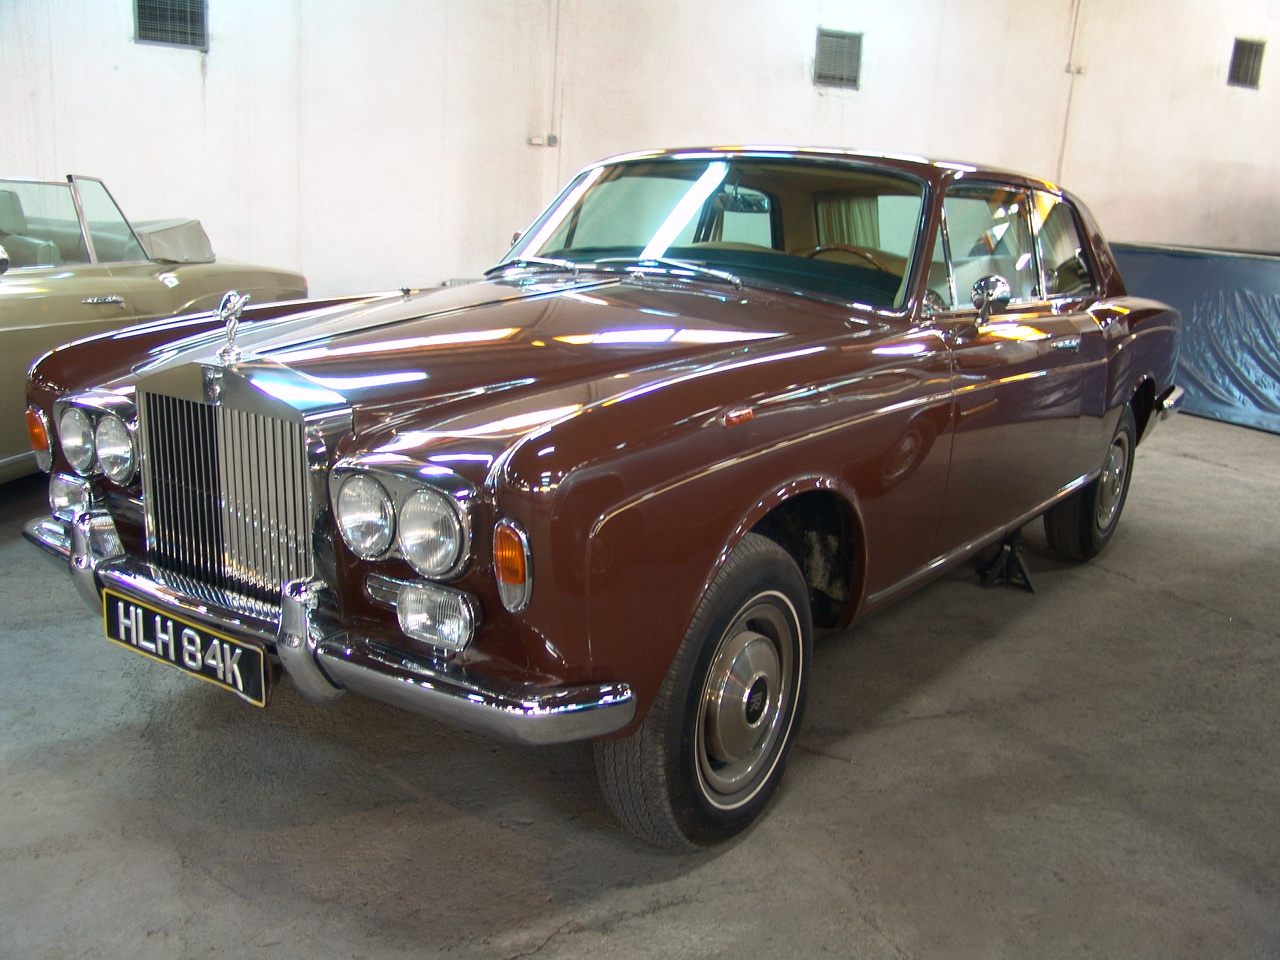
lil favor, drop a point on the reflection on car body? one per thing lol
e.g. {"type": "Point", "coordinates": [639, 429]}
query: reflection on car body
{"type": "Point", "coordinates": [710, 400]}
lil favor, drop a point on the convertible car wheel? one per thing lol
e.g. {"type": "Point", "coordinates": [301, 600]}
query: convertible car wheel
{"type": "Point", "coordinates": [712, 749]}
{"type": "Point", "coordinates": [1080, 526]}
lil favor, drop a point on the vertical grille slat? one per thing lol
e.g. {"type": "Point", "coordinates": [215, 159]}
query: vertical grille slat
{"type": "Point", "coordinates": [225, 496]}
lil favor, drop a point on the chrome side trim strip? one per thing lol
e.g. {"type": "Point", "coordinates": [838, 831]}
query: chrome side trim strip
{"type": "Point", "coordinates": [967, 550]}
{"type": "Point", "coordinates": [18, 458]}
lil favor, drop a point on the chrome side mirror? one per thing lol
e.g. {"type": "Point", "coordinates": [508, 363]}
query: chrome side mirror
{"type": "Point", "coordinates": [4, 260]}
{"type": "Point", "coordinates": [991, 295]}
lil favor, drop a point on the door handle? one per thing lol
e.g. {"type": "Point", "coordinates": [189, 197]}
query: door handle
{"type": "Point", "coordinates": [106, 301]}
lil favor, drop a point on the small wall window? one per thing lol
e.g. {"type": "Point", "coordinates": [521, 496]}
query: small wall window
{"type": "Point", "coordinates": [180, 23]}
{"type": "Point", "coordinates": [1246, 63]}
{"type": "Point", "coordinates": [838, 61]}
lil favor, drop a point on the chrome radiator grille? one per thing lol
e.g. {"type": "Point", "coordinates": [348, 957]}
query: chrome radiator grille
{"type": "Point", "coordinates": [225, 493]}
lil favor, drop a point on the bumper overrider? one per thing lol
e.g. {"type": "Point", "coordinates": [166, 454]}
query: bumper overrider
{"type": "Point", "coordinates": [324, 660]}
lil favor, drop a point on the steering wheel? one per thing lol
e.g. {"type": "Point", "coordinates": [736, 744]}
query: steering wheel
{"type": "Point", "coordinates": [845, 248]}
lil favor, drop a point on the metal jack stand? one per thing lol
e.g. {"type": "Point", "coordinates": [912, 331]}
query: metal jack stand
{"type": "Point", "coordinates": [1008, 566]}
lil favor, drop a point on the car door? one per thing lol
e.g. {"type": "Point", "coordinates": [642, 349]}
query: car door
{"type": "Point", "coordinates": [1016, 391]}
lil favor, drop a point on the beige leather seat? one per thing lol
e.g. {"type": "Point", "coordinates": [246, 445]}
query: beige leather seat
{"type": "Point", "coordinates": [23, 250]}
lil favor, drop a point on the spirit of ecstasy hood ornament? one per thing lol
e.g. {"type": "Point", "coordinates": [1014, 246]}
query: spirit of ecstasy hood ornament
{"type": "Point", "coordinates": [229, 314]}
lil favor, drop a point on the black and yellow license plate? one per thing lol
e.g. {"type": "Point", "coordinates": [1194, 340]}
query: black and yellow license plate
{"type": "Point", "coordinates": [231, 664]}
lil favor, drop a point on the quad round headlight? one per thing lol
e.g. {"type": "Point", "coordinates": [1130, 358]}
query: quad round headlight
{"type": "Point", "coordinates": [430, 533]}
{"type": "Point", "coordinates": [366, 516]}
{"type": "Point", "coordinates": [115, 449]}
{"type": "Point", "coordinates": [76, 432]}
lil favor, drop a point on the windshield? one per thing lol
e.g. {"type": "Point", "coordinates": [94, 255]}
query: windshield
{"type": "Point", "coordinates": [828, 228]}
{"type": "Point", "coordinates": [40, 226]}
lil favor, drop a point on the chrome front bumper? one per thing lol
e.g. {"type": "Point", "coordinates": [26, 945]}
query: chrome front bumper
{"type": "Point", "coordinates": [324, 660]}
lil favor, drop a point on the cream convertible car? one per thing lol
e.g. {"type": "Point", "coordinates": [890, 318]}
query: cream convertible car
{"type": "Point", "coordinates": [71, 266]}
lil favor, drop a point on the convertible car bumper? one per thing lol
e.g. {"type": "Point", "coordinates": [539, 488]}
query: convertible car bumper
{"type": "Point", "coordinates": [324, 660]}
{"type": "Point", "coordinates": [1170, 402]}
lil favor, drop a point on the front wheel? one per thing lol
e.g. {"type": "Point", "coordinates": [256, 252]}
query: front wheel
{"type": "Point", "coordinates": [1080, 526]}
{"type": "Point", "coordinates": [711, 751]}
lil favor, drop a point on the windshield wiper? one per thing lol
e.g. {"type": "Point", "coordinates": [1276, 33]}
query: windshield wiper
{"type": "Point", "coordinates": [673, 266]}
{"type": "Point", "coordinates": [534, 262]}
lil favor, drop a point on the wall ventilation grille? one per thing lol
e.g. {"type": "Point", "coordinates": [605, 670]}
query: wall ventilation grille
{"type": "Point", "coordinates": [1246, 63]}
{"type": "Point", "coordinates": [838, 62]}
{"type": "Point", "coordinates": [175, 22]}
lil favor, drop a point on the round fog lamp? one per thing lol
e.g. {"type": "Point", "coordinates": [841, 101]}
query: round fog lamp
{"type": "Point", "coordinates": [115, 449]}
{"type": "Point", "coordinates": [365, 516]}
{"type": "Point", "coordinates": [429, 533]}
{"type": "Point", "coordinates": [76, 432]}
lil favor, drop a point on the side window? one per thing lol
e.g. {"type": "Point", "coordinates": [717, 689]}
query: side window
{"type": "Point", "coordinates": [990, 233]}
{"type": "Point", "coordinates": [1061, 248]}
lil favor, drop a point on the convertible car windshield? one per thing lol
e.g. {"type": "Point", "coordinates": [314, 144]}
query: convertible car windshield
{"type": "Point", "coordinates": [41, 227]}
{"type": "Point", "coordinates": [834, 230]}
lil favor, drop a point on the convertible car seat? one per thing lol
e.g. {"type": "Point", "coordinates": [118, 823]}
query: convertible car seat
{"type": "Point", "coordinates": [24, 251]}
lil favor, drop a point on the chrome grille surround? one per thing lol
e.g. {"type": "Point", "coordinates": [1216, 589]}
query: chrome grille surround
{"type": "Point", "coordinates": [233, 475]}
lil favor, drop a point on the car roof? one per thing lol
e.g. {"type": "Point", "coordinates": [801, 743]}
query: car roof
{"type": "Point", "coordinates": [931, 169]}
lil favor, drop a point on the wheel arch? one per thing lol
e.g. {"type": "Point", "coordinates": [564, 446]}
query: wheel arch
{"type": "Point", "coordinates": [817, 521]}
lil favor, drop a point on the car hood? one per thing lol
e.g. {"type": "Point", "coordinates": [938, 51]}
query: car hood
{"type": "Point", "coordinates": [461, 347]}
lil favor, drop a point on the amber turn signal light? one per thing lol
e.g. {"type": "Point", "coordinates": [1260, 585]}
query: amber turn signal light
{"type": "Point", "coordinates": [512, 565]}
{"type": "Point", "coordinates": [38, 430]}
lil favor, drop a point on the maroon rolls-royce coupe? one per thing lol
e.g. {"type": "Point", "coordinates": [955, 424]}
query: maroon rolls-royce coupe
{"type": "Point", "coordinates": [710, 400]}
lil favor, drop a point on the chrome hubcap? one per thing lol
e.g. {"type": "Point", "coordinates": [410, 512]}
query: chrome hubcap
{"type": "Point", "coordinates": [1115, 474]}
{"type": "Point", "coordinates": [746, 702]}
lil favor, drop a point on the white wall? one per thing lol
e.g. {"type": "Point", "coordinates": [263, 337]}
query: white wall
{"type": "Point", "coordinates": [380, 143]}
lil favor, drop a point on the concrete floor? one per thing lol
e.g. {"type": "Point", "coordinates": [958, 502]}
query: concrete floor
{"type": "Point", "coordinates": [1090, 771]}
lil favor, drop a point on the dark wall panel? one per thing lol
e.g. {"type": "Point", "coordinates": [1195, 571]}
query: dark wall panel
{"type": "Point", "coordinates": [1230, 304]}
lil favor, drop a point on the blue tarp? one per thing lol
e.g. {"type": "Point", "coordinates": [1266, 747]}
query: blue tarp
{"type": "Point", "coordinates": [1229, 362]}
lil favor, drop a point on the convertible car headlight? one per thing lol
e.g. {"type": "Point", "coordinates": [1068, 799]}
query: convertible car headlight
{"type": "Point", "coordinates": [114, 443]}
{"type": "Point", "coordinates": [76, 432]}
{"type": "Point", "coordinates": [366, 516]}
{"type": "Point", "coordinates": [430, 533]}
